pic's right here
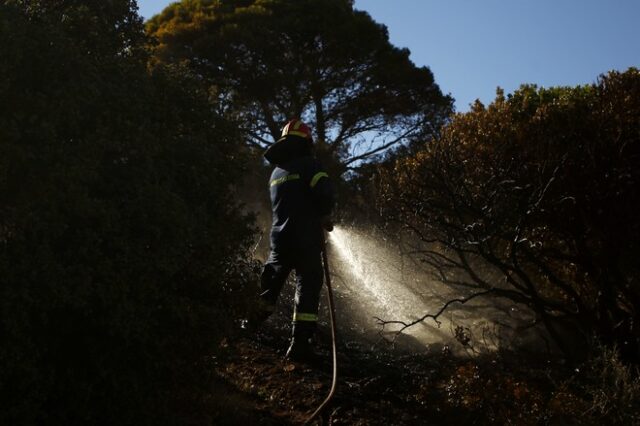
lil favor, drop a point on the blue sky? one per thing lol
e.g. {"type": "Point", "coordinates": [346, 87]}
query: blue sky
{"type": "Point", "coordinates": [474, 46]}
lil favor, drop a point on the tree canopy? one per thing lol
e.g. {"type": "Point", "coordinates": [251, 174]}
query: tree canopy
{"type": "Point", "coordinates": [267, 61]}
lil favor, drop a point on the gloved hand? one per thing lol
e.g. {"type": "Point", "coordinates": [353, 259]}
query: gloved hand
{"type": "Point", "coordinates": [327, 224]}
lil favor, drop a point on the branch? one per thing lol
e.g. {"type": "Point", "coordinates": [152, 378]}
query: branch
{"type": "Point", "coordinates": [258, 141]}
{"type": "Point", "coordinates": [381, 147]}
{"type": "Point", "coordinates": [269, 120]}
{"type": "Point", "coordinates": [349, 131]}
{"type": "Point", "coordinates": [435, 316]}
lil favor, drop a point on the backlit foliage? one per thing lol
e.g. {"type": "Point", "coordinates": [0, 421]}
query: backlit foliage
{"type": "Point", "coordinates": [535, 197]}
{"type": "Point", "coordinates": [267, 61]}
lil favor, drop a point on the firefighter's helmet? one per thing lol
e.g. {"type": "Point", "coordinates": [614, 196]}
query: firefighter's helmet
{"type": "Point", "coordinates": [296, 128]}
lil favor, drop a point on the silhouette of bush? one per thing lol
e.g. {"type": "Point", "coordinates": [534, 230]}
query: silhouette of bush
{"type": "Point", "coordinates": [535, 199]}
{"type": "Point", "coordinates": [121, 246]}
{"type": "Point", "coordinates": [609, 387]}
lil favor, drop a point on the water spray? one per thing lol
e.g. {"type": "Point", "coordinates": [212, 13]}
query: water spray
{"type": "Point", "coordinates": [386, 281]}
{"type": "Point", "coordinates": [385, 285]}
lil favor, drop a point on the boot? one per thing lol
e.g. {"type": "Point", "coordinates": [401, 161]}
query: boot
{"type": "Point", "coordinates": [259, 314]}
{"type": "Point", "coordinates": [302, 345]}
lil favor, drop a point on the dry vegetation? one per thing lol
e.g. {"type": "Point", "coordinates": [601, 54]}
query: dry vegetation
{"type": "Point", "coordinates": [380, 388]}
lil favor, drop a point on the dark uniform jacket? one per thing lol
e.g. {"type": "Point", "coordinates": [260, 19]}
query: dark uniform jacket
{"type": "Point", "coordinates": [301, 194]}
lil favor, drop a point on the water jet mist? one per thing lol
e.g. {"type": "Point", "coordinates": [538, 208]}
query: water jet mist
{"type": "Point", "coordinates": [377, 281]}
{"type": "Point", "coordinates": [374, 278]}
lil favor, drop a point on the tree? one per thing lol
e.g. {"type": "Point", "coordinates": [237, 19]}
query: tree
{"type": "Point", "coordinates": [534, 198]}
{"type": "Point", "coordinates": [267, 61]}
{"type": "Point", "coordinates": [121, 246]}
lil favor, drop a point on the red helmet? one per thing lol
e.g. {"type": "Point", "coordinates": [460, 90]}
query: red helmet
{"type": "Point", "coordinates": [296, 127]}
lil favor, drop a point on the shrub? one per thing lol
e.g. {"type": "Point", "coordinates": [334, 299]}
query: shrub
{"type": "Point", "coordinates": [121, 245]}
{"type": "Point", "coordinates": [534, 198]}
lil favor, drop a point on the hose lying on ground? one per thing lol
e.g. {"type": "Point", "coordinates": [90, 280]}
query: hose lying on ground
{"type": "Point", "coordinates": [332, 316]}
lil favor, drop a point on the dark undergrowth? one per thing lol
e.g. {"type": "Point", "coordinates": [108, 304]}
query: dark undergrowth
{"type": "Point", "coordinates": [378, 387]}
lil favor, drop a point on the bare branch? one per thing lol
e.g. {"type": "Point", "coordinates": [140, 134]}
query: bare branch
{"type": "Point", "coordinates": [382, 147]}
{"type": "Point", "coordinates": [434, 317]}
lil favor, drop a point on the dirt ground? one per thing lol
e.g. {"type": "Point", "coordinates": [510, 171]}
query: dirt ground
{"type": "Point", "coordinates": [378, 386]}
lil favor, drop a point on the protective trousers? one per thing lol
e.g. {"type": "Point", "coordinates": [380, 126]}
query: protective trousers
{"type": "Point", "coordinates": [309, 277]}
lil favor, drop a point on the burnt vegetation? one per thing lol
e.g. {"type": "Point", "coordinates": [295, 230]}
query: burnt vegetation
{"type": "Point", "coordinates": [127, 261]}
{"type": "Point", "coordinates": [533, 199]}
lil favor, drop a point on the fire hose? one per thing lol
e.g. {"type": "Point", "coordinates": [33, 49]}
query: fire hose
{"type": "Point", "coordinates": [332, 316]}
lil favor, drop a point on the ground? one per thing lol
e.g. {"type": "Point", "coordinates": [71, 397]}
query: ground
{"type": "Point", "coordinates": [378, 386]}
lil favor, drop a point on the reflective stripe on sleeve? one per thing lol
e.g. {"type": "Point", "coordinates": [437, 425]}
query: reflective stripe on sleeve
{"type": "Point", "coordinates": [300, 316]}
{"type": "Point", "coordinates": [284, 179]}
{"type": "Point", "coordinates": [296, 133]}
{"type": "Point", "coordinates": [317, 177]}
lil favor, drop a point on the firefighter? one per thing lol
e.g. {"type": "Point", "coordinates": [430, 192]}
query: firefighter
{"type": "Point", "coordinates": [302, 201]}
